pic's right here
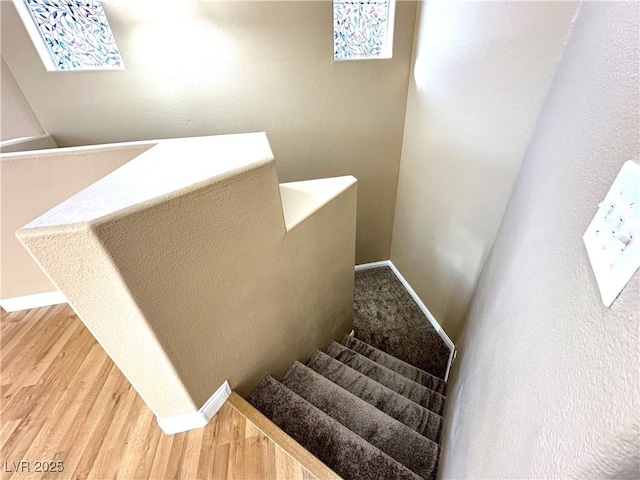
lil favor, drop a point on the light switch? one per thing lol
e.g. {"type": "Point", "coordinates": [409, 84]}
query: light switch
{"type": "Point", "coordinates": [613, 237]}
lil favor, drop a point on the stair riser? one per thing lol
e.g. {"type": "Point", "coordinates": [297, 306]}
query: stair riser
{"type": "Point", "coordinates": [414, 416]}
{"type": "Point", "coordinates": [412, 373]}
{"type": "Point", "coordinates": [340, 449]}
{"type": "Point", "coordinates": [413, 391]}
{"type": "Point", "coordinates": [416, 452]}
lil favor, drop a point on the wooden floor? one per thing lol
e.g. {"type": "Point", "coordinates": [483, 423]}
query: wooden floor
{"type": "Point", "coordinates": [65, 406]}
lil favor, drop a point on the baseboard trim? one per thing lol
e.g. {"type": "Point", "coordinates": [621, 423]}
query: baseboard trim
{"type": "Point", "coordinates": [36, 300]}
{"type": "Point", "coordinates": [199, 419]}
{"type": "Point", "coordinates": [43, 141]}
{"type": "Point", "coordinates": [367, 266]}
{"type": "Point", "coordinates": [421, 305]}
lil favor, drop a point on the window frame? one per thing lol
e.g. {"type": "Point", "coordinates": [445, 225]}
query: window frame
{"type": "Point", "coordinates": [387, 50]}
{"type": "Point", "coordinates": [40, 44]}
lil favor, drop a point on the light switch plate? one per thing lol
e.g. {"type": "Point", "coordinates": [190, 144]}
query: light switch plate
{"type": "Point", "coordinates": [613, 237]}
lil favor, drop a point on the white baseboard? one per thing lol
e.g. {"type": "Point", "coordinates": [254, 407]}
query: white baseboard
{"type": "Point", "coordinates": [32, 301]}
{"type": "Point", "coordinates": [367, 266]}
{"type": "Point", "coordinates": [199, 419]}
{"type": "Point", "coordinates": [421, 305]}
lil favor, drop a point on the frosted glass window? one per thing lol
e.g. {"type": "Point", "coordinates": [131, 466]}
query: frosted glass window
{"type": "Point", "coordinates": [363, 29]}
{"type": "Point", "coordinates": [76, 34]}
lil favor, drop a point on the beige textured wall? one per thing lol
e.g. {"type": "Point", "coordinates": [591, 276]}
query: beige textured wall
{"type": "Point", "coordinates": [480, 74]}
{"type": "Point", "coordinates": [546, 382]}
{"type": "Point", "coordinates": [233, 67]}
{"type": "Point", "coordinates": [189, 284]}
{"type": "Point", "coordinates": [16, 116]}
{"type": "Point", "coordinates": [31, 184]}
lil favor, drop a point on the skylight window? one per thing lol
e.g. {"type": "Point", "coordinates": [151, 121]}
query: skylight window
{"type": "Point", "coordinates": [363, 29]}
{"type": "Point", "coordinates": [71, 34]}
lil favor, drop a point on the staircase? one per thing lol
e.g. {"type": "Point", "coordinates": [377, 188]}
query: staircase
{"type": "Point", "coordinates": [361, 411]}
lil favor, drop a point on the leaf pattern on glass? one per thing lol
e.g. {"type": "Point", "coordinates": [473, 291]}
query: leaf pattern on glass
{"type": "Point", "coordinates": [77, 34]}
{"type": "Point", "coordinates": [359, 29]}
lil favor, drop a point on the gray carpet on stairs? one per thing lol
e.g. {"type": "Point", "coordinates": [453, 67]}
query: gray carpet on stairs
{"type": "Point", "coordinates": [420, 394]}
{"type": "Point", "coordinates": [414, 416]}
{"type": "Point", "coordinates": [395, 364]}
{"type": "Point", "coordinates": [348, 454]}
{"type": "Point", "coordinates": [386, 317]}
{"type": "Point", "coordinates": [369, 408]}
{"type": "Point", "coordinates": [401, 443]}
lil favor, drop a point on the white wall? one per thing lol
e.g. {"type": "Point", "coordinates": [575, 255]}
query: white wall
{"type": "Point", "coordinates": [546, 382]}
{"type": "Point", "coordinates": [16, 116]}
{"type": "Point", "coordinates": [31, 183]}
{"type": "Point", "coordinates": [206, 67]}
{"type": "Point", "coordinates": [480, 74]}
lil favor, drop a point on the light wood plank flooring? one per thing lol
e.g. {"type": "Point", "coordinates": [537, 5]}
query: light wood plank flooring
{"type": "Point", "coordinates": [64, 404]}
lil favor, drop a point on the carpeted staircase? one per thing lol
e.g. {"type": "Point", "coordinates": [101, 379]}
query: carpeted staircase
{"type": "Point", "coordinates": [361, 411]}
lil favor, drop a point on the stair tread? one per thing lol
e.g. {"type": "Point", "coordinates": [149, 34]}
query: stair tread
{"type": "Point", "coordinates": [400, 442]}
{"type": "Point", "coordinates": [342, 450]}
{"type": "Point", "coordinates": [392, 363]}
{"type": "Point", "coordinates": [416, 392]}
{"type": "Point", "coordinates": [410, 413]}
